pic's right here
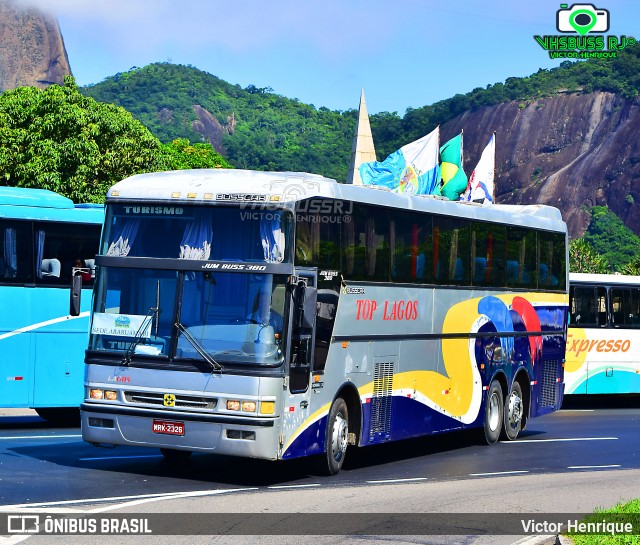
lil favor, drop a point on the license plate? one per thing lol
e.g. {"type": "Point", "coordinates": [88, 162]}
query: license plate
{"type": "Point", "coordinates": [168, 428]}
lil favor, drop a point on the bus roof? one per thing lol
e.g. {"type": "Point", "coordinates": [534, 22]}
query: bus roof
{"type": "Point", "coordinates": [45, 205]}
{"type": "Point", "coordinates": [234, 185]}
{"type": "Point", "coordinates": [603, 279]}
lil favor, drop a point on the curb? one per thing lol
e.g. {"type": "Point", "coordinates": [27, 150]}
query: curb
{"type": "Point", "coordinates": [545, 540]}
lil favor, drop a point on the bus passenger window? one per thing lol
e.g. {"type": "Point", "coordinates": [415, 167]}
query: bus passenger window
{"type": "Point", "coordinates": [583, 304]}
{"type": "Point", "coordinates": [451, 251]}
{"type": "Point", "coordinates": [625, 307]}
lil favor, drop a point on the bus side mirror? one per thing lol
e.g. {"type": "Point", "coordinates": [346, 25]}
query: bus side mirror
{"type": "Point", "coordinates": [305, 302]}
{"type": "Point", "coordinates": [76, 293]}
{"type": "Point", "coordinates": [309, 307]}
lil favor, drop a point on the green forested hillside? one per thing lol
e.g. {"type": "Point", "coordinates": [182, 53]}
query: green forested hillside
{"type": "Point", "coordinates": [274, 132]}
{"type": "Point", "coordinates": [611, 239]}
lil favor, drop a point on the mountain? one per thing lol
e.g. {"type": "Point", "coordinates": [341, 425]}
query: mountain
{"type": "Point", "coordinates": [252, 127]}
{"type": "Point", "coordinates": [565, 137]}
{"type": "Point", "coordinates": [32, 51]}
{"type": "Point", "coordinates": [571, 151]}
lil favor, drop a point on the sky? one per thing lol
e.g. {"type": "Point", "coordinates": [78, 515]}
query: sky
{"type": "Point", "coordinates": [403, 53]}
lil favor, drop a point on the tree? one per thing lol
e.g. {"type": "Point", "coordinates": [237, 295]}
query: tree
{"type": "Point", "coordinates": [182, 154]}
{"type": "Point", "coordinates": [632, 268]}
{"type": "Point", "coordinates": [610, 238]}
{"type": "Point", "coordinates": [584, 259]}
{"type": "Point", "coordinates": [58, 139]}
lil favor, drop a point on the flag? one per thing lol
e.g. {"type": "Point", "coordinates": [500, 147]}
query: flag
{"type": "Point", "coordinates": [454, 180]}
{"type": "Point", "coordinates": [413, 169]}
{"type": "Point", "coordinates": [481, 183]}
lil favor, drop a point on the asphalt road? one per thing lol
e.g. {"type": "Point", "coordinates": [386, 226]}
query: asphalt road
{"type": "Point", "coordinates": [569, 462]}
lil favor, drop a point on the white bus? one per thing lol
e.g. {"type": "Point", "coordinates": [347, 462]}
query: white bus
{"type": "Point", "coordinates": [603, 340]}
{"type": "Point", "coordinates": [280, 315]}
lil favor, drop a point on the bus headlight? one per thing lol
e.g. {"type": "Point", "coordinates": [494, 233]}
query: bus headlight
{"type": "Point", "coordinates": [233, 405]}
{"type": "Point", "coordinates": [96, 394]}
{"type": "Point", "coordinates": [109, 395]}
{"type": "Point", "coordinates": [249, 406]}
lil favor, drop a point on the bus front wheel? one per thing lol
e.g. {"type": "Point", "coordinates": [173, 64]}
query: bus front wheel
{"type": "Point", "coordinates": [513, 413]}
{"type": "Point", "coordinates": [493, 413]}
{"type": "Point", "coordinates": [336, 438]}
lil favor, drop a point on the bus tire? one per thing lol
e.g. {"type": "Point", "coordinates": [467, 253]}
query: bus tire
{"type": "Point", "coordinates": [513, 413]}
{"type": "Point", "coordinates": [175, 456]}
{"type": "Point", "coordinates": [65, 416]}
{"type": "Point", "coordinates": [493, 413]}
{"type": "Point", "coordinates": [336, 437]}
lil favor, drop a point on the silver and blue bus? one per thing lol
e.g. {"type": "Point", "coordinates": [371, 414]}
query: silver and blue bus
{"type": "Point", "coordinates": [603, 340]}
{"type": "Point", "coordinates": [43, 236]}
{"type": "Point", "coordinates": [282, 315]}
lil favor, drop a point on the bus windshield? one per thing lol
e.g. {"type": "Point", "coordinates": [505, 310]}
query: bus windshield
{"type": "Point", "coordinates": [193, 232]}
{"type": "Point", "coordinates": [232, 317]}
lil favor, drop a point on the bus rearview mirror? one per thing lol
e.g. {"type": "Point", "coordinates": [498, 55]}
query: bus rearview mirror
{"type": "Point", "coordinates": [76, 294]}
{"type": "Point", "coordinates": [309, 304]}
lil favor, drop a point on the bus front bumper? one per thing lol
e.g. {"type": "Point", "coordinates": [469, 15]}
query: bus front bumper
{"type": "Point", "coordinates": [253, 437]}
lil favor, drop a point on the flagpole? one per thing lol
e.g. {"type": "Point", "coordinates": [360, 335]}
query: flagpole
{"type": "Point", "coordinates": [494, 167]}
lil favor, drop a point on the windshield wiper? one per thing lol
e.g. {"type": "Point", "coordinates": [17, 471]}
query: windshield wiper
{"type": "Point", "coordinates": [126, 359]}
{"type": "Point", "coordinates": [215, 366]}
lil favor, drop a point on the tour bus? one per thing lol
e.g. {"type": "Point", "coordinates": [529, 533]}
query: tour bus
{"type": "Point", "coordinates": [43, 236]}
{"type": "Point", "coordinates": [281, 315]}
{"type": "Point", "coordinates": [603, 340]}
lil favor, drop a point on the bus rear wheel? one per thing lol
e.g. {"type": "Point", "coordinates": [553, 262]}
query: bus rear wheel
{"type": "Point", "coordinates": [513, 413]}
{"type": "Point", "coordinates": [175, 456]}
{"type": "Point", "coordinates": [336, 438]}
{"type": "Point", "coordinates": [493, 413]}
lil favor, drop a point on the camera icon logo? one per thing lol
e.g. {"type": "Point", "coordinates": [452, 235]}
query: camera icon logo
{"type": "Point", "coordinates": [582, 18]}
{"type": "Point", "coordinates": [293, 188]}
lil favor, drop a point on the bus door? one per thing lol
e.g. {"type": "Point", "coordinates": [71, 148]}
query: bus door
{"type": "Point", "coordinates": [303, 324]}
{"type": "Point", "coordinates": [302, 320]}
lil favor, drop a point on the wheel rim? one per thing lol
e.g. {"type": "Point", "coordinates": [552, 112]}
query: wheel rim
{"type": "Point", "coordinates": [515, 410]}
{"type": "Point", "coordinates": [339, 435]}
{"type": "Point", "coordinates": [494, 411]}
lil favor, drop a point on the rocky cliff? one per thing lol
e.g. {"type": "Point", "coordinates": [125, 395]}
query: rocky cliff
{"type": "Point", "coordinates": [32, 51]}
{"type": "Point", "coordinates": [571, 151]}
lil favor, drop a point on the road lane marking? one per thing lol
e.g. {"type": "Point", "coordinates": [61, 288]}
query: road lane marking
{"type": "Point", "coordinates": [39, 437]}
{"type": "Point", "coordinates": [283, 486]}
{"type": "Point", "coordinates": [593, 467]}
{"type": "Point", "coordinates": [498, 473]}
{"type": "Point", "coordinates": [120, 457]}
{"type": "Point", "coordinates": [136, 498]}
{"type": "Point", "coordinates": [398, 480]}
{"type": "Point", "coordinates": [171, 496]}
{"type": "Point", "coordinates": [559, 440]}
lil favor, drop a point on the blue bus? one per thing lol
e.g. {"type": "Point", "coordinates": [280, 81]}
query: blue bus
{"type": "Point", "coordinates": [43, 237]}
